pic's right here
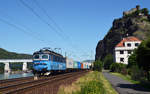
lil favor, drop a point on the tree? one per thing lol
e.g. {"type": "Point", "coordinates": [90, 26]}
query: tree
{"type": "Point", "coordinates": [2, 67]}
{"type": "Point", "coordinates": [97, 65]}
{"type": "Point", "coordinates": [145, 11]}
{"type": "Point", "coordinates": [108, 60]}
{"type": "Point", "coordinates": [132, 59]}
{"type": "Point", "coordinates": [143, 57]}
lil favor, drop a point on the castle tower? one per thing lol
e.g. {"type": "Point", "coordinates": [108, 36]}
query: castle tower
{"type": "Point", "coordinates": [138, 7]}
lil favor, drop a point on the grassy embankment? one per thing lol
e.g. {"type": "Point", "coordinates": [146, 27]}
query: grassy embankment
{"type": "Point", "coordinates": [91, 83]}
{"type": "Point", "coordinates": [143, 83]}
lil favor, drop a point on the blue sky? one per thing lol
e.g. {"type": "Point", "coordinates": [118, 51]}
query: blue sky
{"type": "Point", "coordinates": [83, 23]}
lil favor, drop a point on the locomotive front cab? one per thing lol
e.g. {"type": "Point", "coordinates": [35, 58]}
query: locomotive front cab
{"type": "Point", "coordinates": [40, 63]}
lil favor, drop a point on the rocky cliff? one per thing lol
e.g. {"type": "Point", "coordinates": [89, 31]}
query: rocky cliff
{"type": "Point", "coordinates": [135, 24]}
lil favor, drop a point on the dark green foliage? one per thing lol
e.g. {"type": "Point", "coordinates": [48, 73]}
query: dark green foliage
{"type": "Point", "coordinates": [117, 67]}
{"type": "Point", "coordinates": [145, 11]}
{"type": "Point", "coordinates": [2, 67]}
{"type": "Point", "coordinates": [30, 65]}
{"type": "Point", "coordinates": [16, 66]}
{"type": "Point", "coordinates": [93, 87]}
{"type": "Point", "coordinates": [98, 65]}
{"type": "Point", "coordinates": [11, 55]}
{"type": "Point", "coordinates": [132, 59]}
{"type": "Point", "coordinates": [143, 57]}
{"type": "Point", "coordinates": [108, 60]}
{"type": "Point", "coordinates": [136, 73]}
{"type": "Point", "coordinates": [114, 67]}
{"type": "Point", "coordinates": [124, 71]}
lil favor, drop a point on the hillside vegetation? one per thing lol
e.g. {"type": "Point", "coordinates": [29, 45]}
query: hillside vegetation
{"type": "Point", "coordinates": [12, 55]}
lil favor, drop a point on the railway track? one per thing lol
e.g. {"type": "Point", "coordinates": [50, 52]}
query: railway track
{"type": "Point", "coordinates": [14, 81]}
{"type": "Point", "coordinates": [29, 85]}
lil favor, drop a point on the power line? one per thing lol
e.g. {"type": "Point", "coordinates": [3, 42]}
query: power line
{"type": "Point", "coordinates": [37, 15]}
{"type": "Point", "coordinates": [44, 21]}
{"type": "Point", "coordinates": [51, 19]}
{"type": "Point", "coordinates": [34, 35]}
{"type": "Point", "coordinates": [64, 37]}
{"type": "Point", "coordinates": [20, 29]}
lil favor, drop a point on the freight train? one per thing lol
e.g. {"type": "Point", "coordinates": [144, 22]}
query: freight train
{"type": "Point", "coordinates": [46, 62]}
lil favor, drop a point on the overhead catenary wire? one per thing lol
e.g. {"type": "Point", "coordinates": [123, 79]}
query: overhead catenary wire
{"type": "Point", "coordinates": [60, 34]}
{"type": "Point", "coordinates": [51, 19]}
{"type": "Point", "coordinates": [20, 29]}
{"type": "Point", "coordinates": [55, 24]}
{"type": "Point", "coordinates": [40, 18]}
{"type": "Point", "coordinates": [64, 37]}
{"type": "Point", "coordinates": [46, 22]}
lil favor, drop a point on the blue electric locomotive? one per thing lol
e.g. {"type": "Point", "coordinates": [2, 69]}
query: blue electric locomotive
{"type": "Point", "coordinates": [46, 62]}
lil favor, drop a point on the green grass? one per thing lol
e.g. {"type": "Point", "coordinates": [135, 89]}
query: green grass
{"type": "Point", "coordinates": [91, 83]}
{"type": "Point", "coordinates": [143, 83]}
{"type": "Point", "coordinates": [127, 78]}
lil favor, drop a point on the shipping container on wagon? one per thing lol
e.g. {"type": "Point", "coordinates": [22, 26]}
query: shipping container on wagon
{"type": "Point", "coordinates": [82, 65]}
{"type": "Point", "coordinates": [87, 66]}
{"type": "Point", "coordinates": [75, 64]}
{"type": "Point", "coordinates": [79, 65]}
{"type": "Point", "coordinates": [69, 63]}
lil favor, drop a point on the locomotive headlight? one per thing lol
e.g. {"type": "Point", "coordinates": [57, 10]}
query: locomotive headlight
{"type": "Point", "coordinates": [44, 63]}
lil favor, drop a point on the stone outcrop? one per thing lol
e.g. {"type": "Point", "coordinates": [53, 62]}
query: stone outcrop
{"type": "Point", "coordinates": [130, 25]}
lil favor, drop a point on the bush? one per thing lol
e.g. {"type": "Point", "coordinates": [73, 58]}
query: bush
{"type": "Point", "coordinates": [108, 60]}
{"type": "Point", "coordinates": [98, 65]}
{"type": "Point", "coordinates": [136, 73]}
{"type": "Point", "coordinates": [114, 67]}
{"type": "Point", "coordinates": [124, 71]}
{"type": "Point", "coordinates": [117, 67]}
{"type": "Point", "coordinates": [132, 59]}
{"type": "Point", "coordinates": [2, 67]}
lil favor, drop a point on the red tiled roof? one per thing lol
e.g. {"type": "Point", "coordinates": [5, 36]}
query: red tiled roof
{"type": "Point", "coordinates": [127, 39]}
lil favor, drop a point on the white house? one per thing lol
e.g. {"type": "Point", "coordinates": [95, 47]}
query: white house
{"type": "Point", "coordinates": [125, 48]}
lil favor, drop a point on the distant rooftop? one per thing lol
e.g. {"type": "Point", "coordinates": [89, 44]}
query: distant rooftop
{"type": "Point", "coordinates": [127, 39]}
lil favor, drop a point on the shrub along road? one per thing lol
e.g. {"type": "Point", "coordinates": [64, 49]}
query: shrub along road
{"type": "Point", "coordinates": [124, 87]}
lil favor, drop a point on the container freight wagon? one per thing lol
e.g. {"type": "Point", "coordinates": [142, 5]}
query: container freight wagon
{"type": "Point", "coordinates": [79, 65]}
{"type": "Point", "coordinates": [82, 65]}
{"type": "Point", "coordinates": [69, 64]}
{"type": "Point", "coordinates": [75, 65]}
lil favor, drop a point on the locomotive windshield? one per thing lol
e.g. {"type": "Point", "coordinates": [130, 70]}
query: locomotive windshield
{"type": "Point", "coordinates": [44, 56]}
{"type": "Point", "coordinates": [41, 56]}
{"type": "Point", "coordinates": [36, 57]}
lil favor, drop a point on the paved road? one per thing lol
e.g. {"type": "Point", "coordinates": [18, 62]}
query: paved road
{"type": "Point", "coordinates": [124, 87]}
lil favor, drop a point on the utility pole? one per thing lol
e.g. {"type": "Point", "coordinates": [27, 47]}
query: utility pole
{"type": "Point", "coordinates": [65, 54]}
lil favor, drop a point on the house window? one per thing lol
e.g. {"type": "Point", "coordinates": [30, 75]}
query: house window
{"type": "Point", "coordinates": [121, 52]}
{"type": "Point", "coordinates": [136, 44]}
{"type": "Point", "coordinates": [129, 44]}
{"type": "Point", "coordinates": [129, 52]}
{"type": "Point", "coordinates": [122, 59]}
{"type": "Point", "coordinates": [123, 44]}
